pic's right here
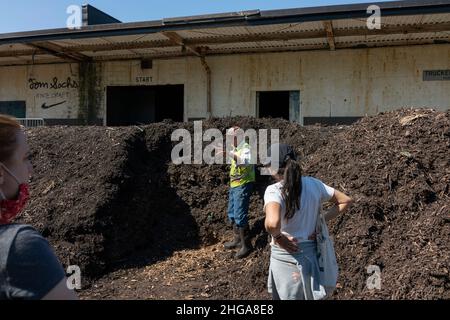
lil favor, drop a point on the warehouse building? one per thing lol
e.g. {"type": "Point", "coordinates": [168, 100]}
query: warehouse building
{"type": "Point", "coordinates": [308, 65]}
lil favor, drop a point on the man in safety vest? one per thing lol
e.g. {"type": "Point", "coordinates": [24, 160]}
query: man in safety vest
{"type": "Point", "coordinates": [242, 178]}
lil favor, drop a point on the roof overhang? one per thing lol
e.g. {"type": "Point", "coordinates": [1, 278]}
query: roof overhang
{"type": "Point", "coordinates": [318, 28]}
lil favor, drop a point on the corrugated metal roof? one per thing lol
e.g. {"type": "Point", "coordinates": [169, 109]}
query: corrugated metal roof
{"type": "Point", "coordinates": [78, 42]}
{"type": "Point", "coordinates": [13, 47]}
{"type": "Point", "coordinates": [417, 19]}
{"type": "Point", "coordinates": [394, 20]}
{"type": "Point", "coordinates": [250, 30]}
{"type": "Point", "coordinates": [158, 50]}
{"type": "Point", "coordinates": [271, 44]}
{"type": "Point", "coordinates": [293, 29]}
{"type": "Point", "coordinates": [152, 37]}
{"type": "Point", "coordinates": [39, 57]}
{"type": "Point", "coordinates": [390, 38]}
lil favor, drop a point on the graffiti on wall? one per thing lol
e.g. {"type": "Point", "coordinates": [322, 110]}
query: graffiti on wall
{"type": "Point", "coordinates": [45, 106]}
{"type": "Point", "coordinates": [56, 84]}
{"type": "Point", "coordinates": [55, 95]}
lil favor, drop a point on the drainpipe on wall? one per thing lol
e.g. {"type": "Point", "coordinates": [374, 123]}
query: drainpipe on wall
{"type": "Point", "coordinates": [208, 87]}
{"type": "Point", "coordinates": [89, 92]}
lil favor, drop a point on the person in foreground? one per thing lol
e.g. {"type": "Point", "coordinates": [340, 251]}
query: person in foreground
{"type": "Point", "coordinates": [292, 207]}
{"type": "Point", "coordinates": [29, 269]}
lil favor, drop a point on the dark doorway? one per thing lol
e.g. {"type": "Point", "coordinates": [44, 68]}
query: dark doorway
{"type": "Point", "coordinates": [279, 104]}
{"type": "Point", "coordinates": [144, 104]}
{"type": "Point", "coordinates": [274, 104]}
{"type": "Point", "coordinates": [13, 108]}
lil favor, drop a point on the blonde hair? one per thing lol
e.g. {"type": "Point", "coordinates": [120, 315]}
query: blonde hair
{"type": "Point", "coordinates": [8, 130]}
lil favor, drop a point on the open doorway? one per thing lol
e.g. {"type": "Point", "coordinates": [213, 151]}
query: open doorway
{"type": "Point", "coordinates": [134, 105]}
{"type": "Point", "coordinates": [279, 104]}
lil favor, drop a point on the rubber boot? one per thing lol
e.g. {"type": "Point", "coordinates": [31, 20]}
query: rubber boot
{"type": "Point", "coordinates": [246, 248]}
{"type": "Point", "coordinates": [236, 241]}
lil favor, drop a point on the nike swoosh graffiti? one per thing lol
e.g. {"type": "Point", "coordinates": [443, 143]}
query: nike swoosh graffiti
{"type": "Point", "coordinates": [44, 106]}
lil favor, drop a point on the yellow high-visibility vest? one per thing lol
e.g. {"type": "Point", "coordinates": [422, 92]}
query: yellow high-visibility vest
{"type": "Point", "coordinates": [243, 173]}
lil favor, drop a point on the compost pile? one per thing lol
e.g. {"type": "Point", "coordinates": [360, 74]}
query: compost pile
{"type": "Point", "coordinates": [83, 193]}
{"type": "Point", "coordinates": [108, 196]}
{"type": "Point", "coordinates": [397, 168]}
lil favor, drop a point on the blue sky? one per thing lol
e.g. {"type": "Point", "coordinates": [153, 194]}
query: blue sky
{"type": "Point", "coordinates": [27, 15]}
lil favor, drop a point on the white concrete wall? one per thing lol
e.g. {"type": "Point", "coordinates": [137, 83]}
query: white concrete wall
{"type": "Point", "coordinates": [340, 83]}
{"type": "Point", "coordinates": [42, 84]}
{"type": "Point", "coordinates": [129, 73]}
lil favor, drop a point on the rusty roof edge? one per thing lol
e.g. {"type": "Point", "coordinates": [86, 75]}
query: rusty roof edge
{"type": "Point", "coordinates": [384, 5]}
{"type": "Point", "coordinates": [253, 18]}
{"type": "Point", "coordinates": [215, 17]}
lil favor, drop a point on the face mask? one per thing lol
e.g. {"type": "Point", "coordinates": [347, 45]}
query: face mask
{"type": "Point", "coordinates": [9, 209]}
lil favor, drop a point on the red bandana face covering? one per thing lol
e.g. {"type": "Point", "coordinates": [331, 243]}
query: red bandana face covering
{"type": "Point", "coordinates": [9, 209]}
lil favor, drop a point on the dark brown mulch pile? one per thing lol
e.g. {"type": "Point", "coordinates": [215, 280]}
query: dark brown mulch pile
{"type": "Point", "coordinates": [96, 192]}
{"type": "Point", "coordinates": [110, 199]}
{"type": "Point", "coordinates": [397, 167]}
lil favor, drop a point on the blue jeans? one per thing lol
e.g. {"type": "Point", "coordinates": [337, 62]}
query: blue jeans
{"type": "Point", "coordinates": [238, 202]}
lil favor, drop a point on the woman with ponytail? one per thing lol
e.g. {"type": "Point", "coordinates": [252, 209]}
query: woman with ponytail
{"type": "Point", "coordinates": [292, 206]}
{"type": "Point", "coordinates": [29, 269]}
